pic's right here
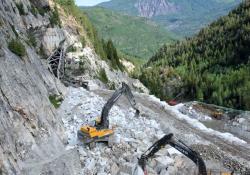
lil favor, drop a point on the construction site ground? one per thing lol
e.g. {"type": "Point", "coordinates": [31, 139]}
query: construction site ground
{"type": "Point", "coordinates": [221, 151]}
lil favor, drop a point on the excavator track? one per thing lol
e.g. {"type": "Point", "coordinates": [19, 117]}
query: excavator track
{"type": "Point", "coordinates": [87, 140]}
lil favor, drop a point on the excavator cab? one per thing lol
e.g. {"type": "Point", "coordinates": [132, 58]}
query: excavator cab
{"type": "Point", "coordinates": [97, 121]}
{"type": "Point", "coordinates": [91, 134]}
{"type": "Point", "coordinates": [101, 132]}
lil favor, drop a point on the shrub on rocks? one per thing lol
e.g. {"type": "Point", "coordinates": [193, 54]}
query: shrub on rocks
{"type": "Point", "coordinates": [17, 47]}
{"type": "Point", "coordinates": [103, 76]}
{"type": "Point", "coordinates": [55, 100]}
{"type": "Point", "coordinates": [34, 10]}
{"type": "Point", "coordinates": [21, 9]}
{"type": "Point", "coordinates": [32, 40]}
{"type": "Point", "coordinates": [71, 49]}
{"type": "Point", "coordinates": [83, 41]}
{"type": "Point", "coordinates": [54, 18]}
{"type": "Point", "coordinates": [1, 23]}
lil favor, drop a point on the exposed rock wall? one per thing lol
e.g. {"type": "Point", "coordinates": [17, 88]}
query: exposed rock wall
{"type": "Point", "coordinates": [151, 8]}
{"type": "Point", "coordinates": [32, 137]}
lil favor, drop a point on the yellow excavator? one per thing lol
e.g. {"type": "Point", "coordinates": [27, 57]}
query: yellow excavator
{"type": "Point", "coordinates": [101, 132]}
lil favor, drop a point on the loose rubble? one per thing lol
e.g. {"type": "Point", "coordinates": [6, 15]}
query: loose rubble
{"type": "Point", "coordinates": [212, 153]}
{"type": "Point", "coordinates": [132, 137]}
{"type": "Point", "coordinates": [197, 124]}
{"type": "Point", "coordinates": [219, 118]}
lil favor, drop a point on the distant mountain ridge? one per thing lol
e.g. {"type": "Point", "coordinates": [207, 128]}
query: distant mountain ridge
{"type": "Point", "coordinates": [184, 17]}
{"type": "Point", "coordinates": [149, 8]}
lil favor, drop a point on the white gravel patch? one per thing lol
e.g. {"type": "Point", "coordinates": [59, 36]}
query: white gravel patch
{"type": "Point", "coordinates": [197, 124]}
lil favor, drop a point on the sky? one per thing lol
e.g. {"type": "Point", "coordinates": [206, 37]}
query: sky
{"type": "Point", "coordinates": [89, 2]}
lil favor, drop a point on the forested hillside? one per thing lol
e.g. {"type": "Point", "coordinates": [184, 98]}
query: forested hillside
{"type": "Point", "coordinates": [135, 36]}
{"type": "Point", "coordinates": [213, 66]}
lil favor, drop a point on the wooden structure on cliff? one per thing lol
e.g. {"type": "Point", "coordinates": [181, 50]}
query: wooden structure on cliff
{"type": "Point", "coordinates": [56, 64]}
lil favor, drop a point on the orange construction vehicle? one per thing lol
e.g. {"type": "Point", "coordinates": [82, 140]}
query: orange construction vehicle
{"type": "Point", "coordinates": [101, 131]}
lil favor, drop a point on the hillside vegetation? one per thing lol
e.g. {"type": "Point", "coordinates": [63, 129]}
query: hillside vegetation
{"type": "Point", "coordinates": [105, 50]}
{"type": "Point", "coordinates": [213, 66]}
{"type": "Point", "coordinates": [133, 36]}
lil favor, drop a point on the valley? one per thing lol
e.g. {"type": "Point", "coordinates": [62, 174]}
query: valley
{"type": "Point", "coordinates": [182, 17]}
{"type": "Point", "coordinates": [139, 28]}
{"type": "Point", "coordinates": [134, 36]}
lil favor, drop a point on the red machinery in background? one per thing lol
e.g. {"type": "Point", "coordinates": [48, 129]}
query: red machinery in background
{"type": "Point", "coordinates": [174, 101]}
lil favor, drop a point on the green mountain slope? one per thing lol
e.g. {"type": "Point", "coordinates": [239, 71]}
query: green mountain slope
{"type": "Point", "coordinates": [188, 17]}
{"type": "Point", "coordinates": [134, 36]}
{"type": "Point", "coordinates": [213, 66]}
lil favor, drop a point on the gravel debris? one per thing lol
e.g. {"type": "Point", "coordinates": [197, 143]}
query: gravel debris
{"type": "Point", "coordinates": [133, 137]}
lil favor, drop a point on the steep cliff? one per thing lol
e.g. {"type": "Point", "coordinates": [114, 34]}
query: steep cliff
{"type": "Point", "coordinates": [32, 139]}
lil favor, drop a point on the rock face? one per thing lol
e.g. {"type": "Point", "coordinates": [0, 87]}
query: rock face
{"type": "Point", "coordinates": [32, 138]}
{"type": "Point", "coordinates": [128, 65]}
{"type": "Point", "coordinates": [151, 8]}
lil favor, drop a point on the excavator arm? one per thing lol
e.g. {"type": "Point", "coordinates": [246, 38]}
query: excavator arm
{"type": "Point", "coordinates": [104, 123]}
{"type": "Point", "coordinates": [101, 132]}
{"type": "Point", "coordinates": [180, 146]}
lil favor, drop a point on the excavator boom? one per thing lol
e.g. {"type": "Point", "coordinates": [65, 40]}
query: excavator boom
{"type": "Point", "coordinates": [180, 146]}
{"type": "Point", "coordinates": [104, 123]}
